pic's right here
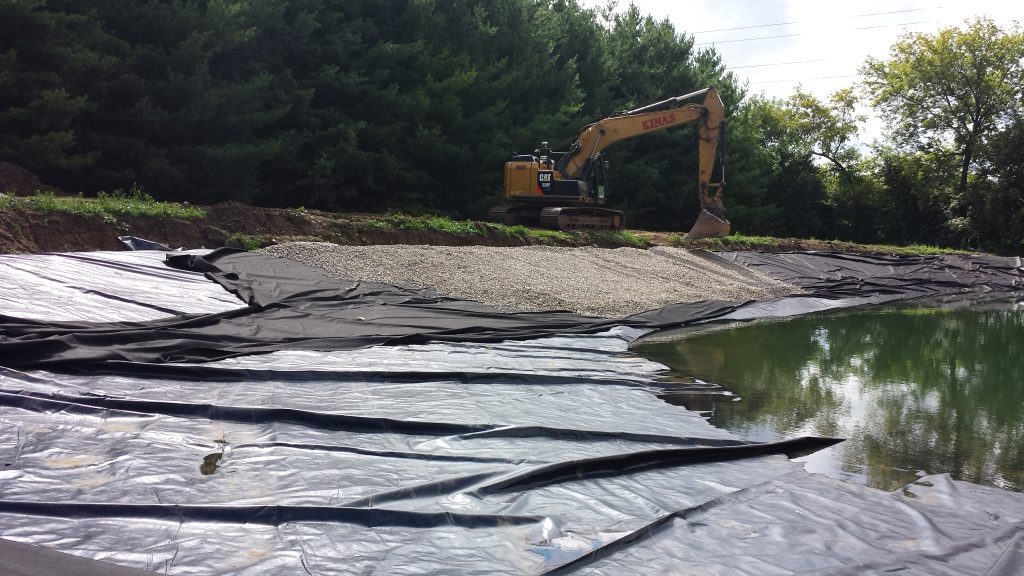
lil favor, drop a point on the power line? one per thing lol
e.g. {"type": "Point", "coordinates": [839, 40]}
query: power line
{"type": "Point", "coordinates": [747, 39]}
{"type": "Point", "coordinates": [803, 79]}
{"type": "Point", "coordinates": [755, 38]}
{"type": "Point", "coordinates": [743, 27]}
{"type": "Point", "coordinates": [777, 64]}
{"type": "Point", "coordinates": [797, 21]}
{"type": "Point", "coordinates": [891, 25]}
{"type": "Point", "coordinates": [889, 12]}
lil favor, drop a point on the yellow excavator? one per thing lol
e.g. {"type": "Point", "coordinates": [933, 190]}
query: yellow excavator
{"type": "Point", "coordinates": [566, 190]}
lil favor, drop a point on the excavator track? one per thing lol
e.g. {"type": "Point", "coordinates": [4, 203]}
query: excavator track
{"type": "Point", "coordinates": [515, 215]}
{"type": "Point", "coordinates": [581, 218]}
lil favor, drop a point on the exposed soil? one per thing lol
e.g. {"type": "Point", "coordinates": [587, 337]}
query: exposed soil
{"type": "Point", "coordinates": [14, 178]}
{"type": "Point", "coordinates": [23, 230]}
{"type": "Point", "coordinates": [239, 225]}
{"type": "Point", "coordinates": [234, 224]}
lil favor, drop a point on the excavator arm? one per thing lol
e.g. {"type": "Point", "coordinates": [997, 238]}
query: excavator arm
{"type": "Point", "coordinates": [709, 116]}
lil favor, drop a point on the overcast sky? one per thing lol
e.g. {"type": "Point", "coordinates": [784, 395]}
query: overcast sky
{"type": "Point", "coordinates": [777, 45]}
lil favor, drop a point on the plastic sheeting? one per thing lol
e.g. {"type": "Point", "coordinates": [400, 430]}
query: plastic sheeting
{"type": "Point", "coordinates": [292, 306]}
{"type": "Point", "coordinates": [832, 280]}
{"type": "Point", "coordinates": [907, 276]}
{"type": "Point", "coordinates": [547, 455]}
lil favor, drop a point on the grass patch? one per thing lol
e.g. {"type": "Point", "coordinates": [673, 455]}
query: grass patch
{"type": "Point", "coordinates": [539, 235]}
{"type": "Point", "coordinates": [442, 224]}
{"type": "Point", "coordinates": [246, 242]}
{"type": "Point", "coordinates": [546, 236]}
{"type": "Point", "coordinates": [446, 225]}
{"type": "Point", "coordinates": [733, 242]}
{"type": "Point", "coordinates": [631, 239]}
{"type": "Point", "coordinates": [106, 205]}
{"type": "Point", "coordinates": [923, 249]}
{"type": "Point", "coordinates": [614, 238]}
{"type": "Point", "coordinates": [772, 244]}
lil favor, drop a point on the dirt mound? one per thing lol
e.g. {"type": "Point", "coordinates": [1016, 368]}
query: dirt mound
{"type": "Point", "coordinates": [21, 182]}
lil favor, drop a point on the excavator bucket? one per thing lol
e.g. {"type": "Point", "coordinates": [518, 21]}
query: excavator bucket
{"type": "Point", "coordinates": [708, 225]}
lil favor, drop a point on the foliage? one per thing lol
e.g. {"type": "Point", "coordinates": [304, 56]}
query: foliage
{"type": "Point", "coordinates": [539, 235]}
{"type": "Point", "coordinates": [613, 238]}
{"type": "Point", "coordinates": [948, 95]}
{"type": "Point", "coordinates": [360, 106]}
{"type": "Point", "coordinates": [107, 206]}
{"type": "Point", "coordinates": [444, 224]}
{"type": "Point", "coordinates": [807, 126]}
{"type": "Point", "coordinates": [773, 244]}
{"type": "Point", "coordinates": [448, 226]}
{"type": "Point", "coordinates": [246, 241]}
{"type": "Point", "coordinates": [414, 105]}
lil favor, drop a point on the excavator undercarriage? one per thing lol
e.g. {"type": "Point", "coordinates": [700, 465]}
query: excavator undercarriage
{"type": "Point", "coordinates": [559, 217]}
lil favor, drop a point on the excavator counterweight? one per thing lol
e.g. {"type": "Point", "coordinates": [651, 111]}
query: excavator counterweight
{"type": "Point", "coordinates": [566, 190]}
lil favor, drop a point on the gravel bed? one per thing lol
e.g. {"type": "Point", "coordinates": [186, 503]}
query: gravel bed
{"type": "Point", "coordinates": [593, 281]}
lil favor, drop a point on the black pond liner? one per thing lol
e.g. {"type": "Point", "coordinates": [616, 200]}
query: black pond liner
{"type": "Point", "coordinates": [329, 426]}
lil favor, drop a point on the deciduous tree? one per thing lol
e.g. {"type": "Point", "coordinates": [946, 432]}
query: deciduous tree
{"type": "Point", "coordinates": [947, 94]}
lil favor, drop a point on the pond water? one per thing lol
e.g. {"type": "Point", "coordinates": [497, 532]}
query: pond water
{"type": "Point", "coordinates": [912, 389]}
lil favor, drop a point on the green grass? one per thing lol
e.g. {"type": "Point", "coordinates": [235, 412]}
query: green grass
{"type": "Point", "coordinates": [924, 249]}
{"type": "Point", "coordinates": [630, 239]}
{"type": "Point", "coordinates": [106, 206]}
{"type": "Point", "coordinates": [246, 241]}
{"type": "Point", "coordinates": [446, 225]}
{"type": "Point", "coordinates": [443, 224]}
{"type": "Point", "coordinates": [548, 236]}
{"type": "Point", "coordinates": [769, 243]}
{"type": "Point", "coordinates": [540, 235]}
{"type": "Point", "coordinates": [732, 242]}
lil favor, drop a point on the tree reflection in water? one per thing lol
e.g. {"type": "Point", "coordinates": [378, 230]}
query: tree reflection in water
{"type": "Point", "coordinates": [912, 389]}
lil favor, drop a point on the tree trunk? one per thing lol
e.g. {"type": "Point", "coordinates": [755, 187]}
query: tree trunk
{"type": "Point", "coordinates": [964, 170]}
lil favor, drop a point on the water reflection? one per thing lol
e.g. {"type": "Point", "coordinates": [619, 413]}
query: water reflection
{"type": "Point", "coordinates": [912, 389]}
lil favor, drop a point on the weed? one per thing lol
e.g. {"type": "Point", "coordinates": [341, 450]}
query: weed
{"type": "Point", "coordinates": [445, 224]}
{"type": "Point", "coordinates": [107, 206]}
{"type": "Point", "coordinates": [768, 243]}
{"type": "Point", "coordinates": [538, 235]}
{"type": "Point", "coordinates": [922, 249]}
{"type": "Point", "coordinates": [617, 238]}
{"type": "Point", "coordinates": [400, 221]}
{"type": "Point", "coordinates": [246, 241]}
{"type": "Point", "coordinates": [631, 239]}
{"type": "Point", "coordinates": [379, 224]}
{"type": "Point", "coordinates": [549, 236]}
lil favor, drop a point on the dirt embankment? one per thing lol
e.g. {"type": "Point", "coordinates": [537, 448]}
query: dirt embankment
{"type": "Point", "coordinates": [24, 228]}
{"type": "Point", "coordinates": [21, 182]}
{"type": "Point", "coordinates": [243, 226]}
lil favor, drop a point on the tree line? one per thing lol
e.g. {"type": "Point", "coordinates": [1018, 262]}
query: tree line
{"type": "Point", "coordinates": [415, 105]}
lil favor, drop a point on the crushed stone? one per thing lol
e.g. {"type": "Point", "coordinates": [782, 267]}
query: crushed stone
{"type": "Point", "coordinates": [594, 281]}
